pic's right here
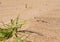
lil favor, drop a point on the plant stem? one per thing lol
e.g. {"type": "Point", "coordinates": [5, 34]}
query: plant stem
{"type": "Point", "coordinates": [23, 31]}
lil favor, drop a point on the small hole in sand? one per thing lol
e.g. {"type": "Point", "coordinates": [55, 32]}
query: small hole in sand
{"type": "Point", "coordinates": [26, 6]}
{"type": "Point", "coordinates": [0, 2]}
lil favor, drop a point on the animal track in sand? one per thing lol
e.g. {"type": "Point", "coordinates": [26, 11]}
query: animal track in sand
{"type": "Point", "coordinates": [50, 22]}
{"type": "Point", "coordinates": [38, 20]}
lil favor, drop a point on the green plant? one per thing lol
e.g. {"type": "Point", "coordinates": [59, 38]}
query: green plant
{"type": "Point", "coordinates": [7, 31]}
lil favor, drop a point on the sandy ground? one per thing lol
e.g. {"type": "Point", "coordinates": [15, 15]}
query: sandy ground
{"type": "Point", "coordinates": [43, 16]}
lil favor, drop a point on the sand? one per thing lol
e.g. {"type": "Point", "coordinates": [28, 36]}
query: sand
{"type": "Point", "coordinates": [43, 16]}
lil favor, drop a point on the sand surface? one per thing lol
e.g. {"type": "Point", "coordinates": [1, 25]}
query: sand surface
{"type": "Point", "coordinates": [43, 16]}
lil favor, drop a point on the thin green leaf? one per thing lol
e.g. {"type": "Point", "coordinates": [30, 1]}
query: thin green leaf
{"type": "Point", "coordinates": [17, 19]}
{"type": "Point", "coordinates": [12, 22]}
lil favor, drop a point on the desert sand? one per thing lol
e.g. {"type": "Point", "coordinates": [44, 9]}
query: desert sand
{"type": "Point", "coordinates": [43, 16]}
